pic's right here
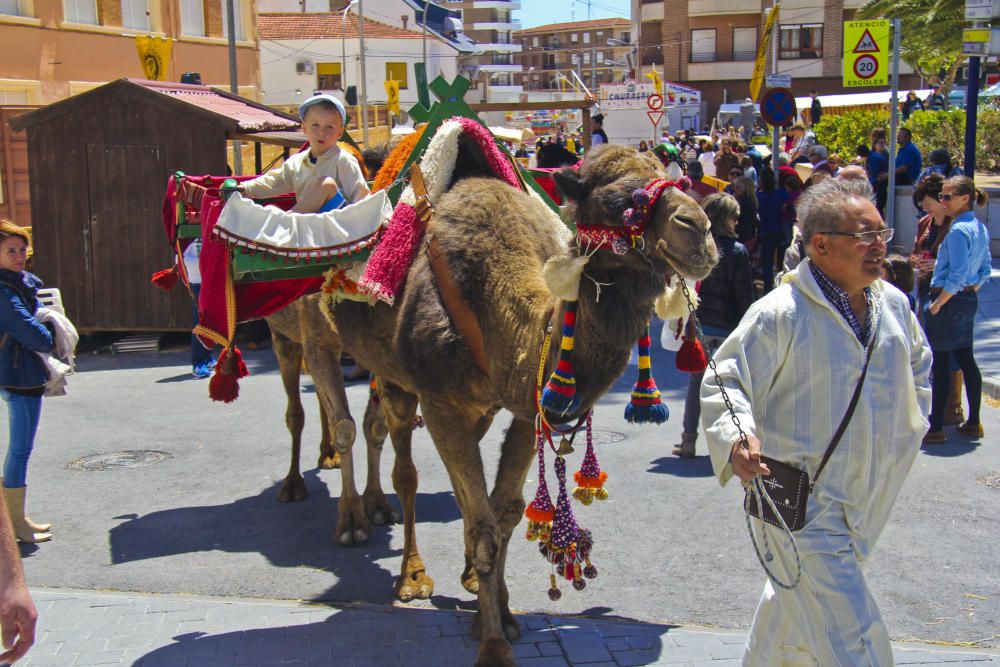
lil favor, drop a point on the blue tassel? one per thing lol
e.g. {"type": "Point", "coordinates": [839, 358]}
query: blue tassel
{"type": "Point", "coordinates": [647, 414]}
{"type": "Point", "coordinates": [559, 404]}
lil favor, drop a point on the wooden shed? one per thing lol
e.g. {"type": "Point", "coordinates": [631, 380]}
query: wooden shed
{"type": "Point", "coordinates": [98, 164]}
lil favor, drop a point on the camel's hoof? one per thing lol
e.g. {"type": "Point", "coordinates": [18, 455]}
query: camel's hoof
{"type": "Point", "coordinates": [378, 509]}
{"type": "Point", "coordinates": [352, 526]}
{"type": "Point", "coordinates": [351, 538]}
{"type": "Point", "coordinates": [470, 580]}
{"type": "Point", "coordinates": [328, 459]}
{"type": "Point", "coordinates": [293, 490]}
{"type": "Point", "coordinates": [496, 652]}
{"type": "Point", "coordinates": [417, 586]}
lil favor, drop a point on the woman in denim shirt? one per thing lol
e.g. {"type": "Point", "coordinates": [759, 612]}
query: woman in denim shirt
{"type": "Point", "coordinates": [22, 373]}
{"type": "Point", "coordinates": [962, 267]}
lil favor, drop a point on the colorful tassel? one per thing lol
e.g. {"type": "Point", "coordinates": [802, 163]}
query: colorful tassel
{"type": "Point", "coordinates": [570, 546]}
{"type": "Point", "coordinates": [691, 357]}
{"type": "Point", "coordinates": [645, 406]}
{"type": "Point", "coordinates": [541, 511]}
{"type": "Point", "coordinates": [590, 478]}
{"type": "Point", "coordinates": [559, 396]}
{"type": "Point", "coordinates": [224, 385]}
{"type": "Point", "coordinates": [165, 279]}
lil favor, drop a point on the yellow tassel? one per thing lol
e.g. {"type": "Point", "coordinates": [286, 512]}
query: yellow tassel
{"type": "Point", "coordinates": [562, 276]}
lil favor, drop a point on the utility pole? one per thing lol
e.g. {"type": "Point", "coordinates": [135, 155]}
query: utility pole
{"type": "Point", "coordinates": [971, 117]}
{"type": "Point", "coordinates": [426, 4]}
{"type": "Point", "coordinates": [234, 85]}
{"type": "Point", "coordinates": [775, 131]}
{"type": "Point", "coordinates": [364, 75]}
{"type": "Point", "coordinates": [890, 205]}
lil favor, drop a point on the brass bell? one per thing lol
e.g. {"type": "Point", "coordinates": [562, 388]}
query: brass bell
{"type": "Point", "coordinates": [564, 447]}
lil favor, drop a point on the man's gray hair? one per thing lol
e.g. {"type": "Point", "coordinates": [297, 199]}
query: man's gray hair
{"type": "Point", "coordinates": [819, 151]}
{"type": "Point", "coordinates": [823, 207]}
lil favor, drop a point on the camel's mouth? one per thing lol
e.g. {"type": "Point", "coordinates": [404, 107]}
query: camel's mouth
{"type": "Point", "coordinates": [690, 267]}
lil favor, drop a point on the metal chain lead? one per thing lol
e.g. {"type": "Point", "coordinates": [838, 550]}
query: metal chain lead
{"type": "Point", "coordinates": [754, 487]}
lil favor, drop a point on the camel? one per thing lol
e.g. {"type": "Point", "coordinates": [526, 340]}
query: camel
{"type": "Point", "coordinates": [299, 331]}
{"type": "Point", "coordinates": [496, 240]}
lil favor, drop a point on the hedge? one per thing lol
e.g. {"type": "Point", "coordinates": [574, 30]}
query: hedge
{"type": "Point", "coordinates": [931, 129]}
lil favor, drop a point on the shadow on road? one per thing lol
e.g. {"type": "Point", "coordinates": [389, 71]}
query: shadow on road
{"type": "Point", "coordinates": [951, 448]}
{"type": "Point", "coordinates": [293, 535]}
{"type": "Point", "coordinates": [699, 466]}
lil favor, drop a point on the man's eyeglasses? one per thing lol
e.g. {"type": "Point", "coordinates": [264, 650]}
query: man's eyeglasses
{"type": "Point", "coordinates": [866, 238]}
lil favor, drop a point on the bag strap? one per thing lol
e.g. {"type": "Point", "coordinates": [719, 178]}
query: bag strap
{"type": "Point", "coordinates": [850, 408]}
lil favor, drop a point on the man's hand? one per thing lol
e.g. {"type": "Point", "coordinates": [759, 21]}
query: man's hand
{"type": "Point", "coordinates": [17, 620]}
{"type": "Point", "coordinates": [746, 460]}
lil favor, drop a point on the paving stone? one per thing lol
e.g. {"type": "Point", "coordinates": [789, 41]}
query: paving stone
{"type": "Point", "coordinates": [586, 650]}
{"type": "Point", "coordinates": [634, 658]}
{"type": "Point", "coordinates": [543, 662]}
{"type": "Point", "coordinates": [549, 649]}
{"type": "Point", "coordinates": [100, 657]}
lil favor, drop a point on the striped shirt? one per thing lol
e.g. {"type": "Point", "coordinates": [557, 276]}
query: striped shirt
{"type": "Point", "coordinates": [842, 302]}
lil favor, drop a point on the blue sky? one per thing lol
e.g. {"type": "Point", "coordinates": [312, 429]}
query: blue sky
{"type": "Point", "coordinates": [541, 12]}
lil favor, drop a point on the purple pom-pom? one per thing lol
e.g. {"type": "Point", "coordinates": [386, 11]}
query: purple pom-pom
{"type": "Point", "coordinates": [640, 197]}
{"type": "Point", "coordinates": [579, 584]}
{"type": "Point", "coordinates": [555, 594]}
{"type": "Point", "coordinates": [590, 572]}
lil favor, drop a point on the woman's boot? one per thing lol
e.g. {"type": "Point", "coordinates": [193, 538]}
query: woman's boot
{"type": "Point", "coordinates": [15, 508]}
{"type": "Point", "coordinates": [685, 450]}
{"type": "Point", "coordinates": [953, 413]}
{"type": "Point", "coordinates": [37, 527]}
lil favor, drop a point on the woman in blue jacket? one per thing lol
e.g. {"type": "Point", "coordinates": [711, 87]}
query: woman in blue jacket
{"type": "Point", "coordinates": [962, 267]}
{"type": "Point", "coordinates": [22, 372]}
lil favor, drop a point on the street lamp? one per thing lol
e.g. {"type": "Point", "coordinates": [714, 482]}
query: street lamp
{"type": "Point", "coordinates": [530, 70]}
{"type": "Point", "coordinates": [343, 47]}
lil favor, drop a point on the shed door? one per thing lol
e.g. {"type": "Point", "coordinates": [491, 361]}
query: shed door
{"type": "Point", "coordinates": [126, 241]}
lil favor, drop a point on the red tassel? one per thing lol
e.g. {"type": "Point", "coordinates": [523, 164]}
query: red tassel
{"type": "Point", "coordinates": [165, 279]}
{"type": "Point", "coordinates": [224, 385]}
{"type": "Point", "coordinates": [691, 357]}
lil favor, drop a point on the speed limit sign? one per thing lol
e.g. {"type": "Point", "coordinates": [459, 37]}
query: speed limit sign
{"type": "Point", "coordinates": [866, 67]}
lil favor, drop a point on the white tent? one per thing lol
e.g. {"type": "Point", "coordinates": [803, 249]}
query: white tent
{"type": "Point", "coordinates": [844, 101]}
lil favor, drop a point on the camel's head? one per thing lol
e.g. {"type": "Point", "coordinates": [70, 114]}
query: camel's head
{"type": "Point", "coordinates": [615, 198]}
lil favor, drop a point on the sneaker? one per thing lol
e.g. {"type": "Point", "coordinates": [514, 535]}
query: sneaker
{"type": "Point", "coordinates": [971, 430]}
{"type": "Point", "coordinates": [211, 363]}
{"type": "Point", "coordinates": [935, 438]}
{"type": "Point", "coordinates": [201, 371]}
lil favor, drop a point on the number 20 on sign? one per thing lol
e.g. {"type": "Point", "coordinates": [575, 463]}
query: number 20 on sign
{"type": "Point", "coordinates": [866, 53]}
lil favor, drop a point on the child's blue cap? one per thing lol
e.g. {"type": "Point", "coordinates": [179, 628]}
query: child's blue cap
{"type": "Point", "coordinates": [322, 97]}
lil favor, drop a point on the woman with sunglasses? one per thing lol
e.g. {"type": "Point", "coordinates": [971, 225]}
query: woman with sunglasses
{"type": "Point", "coordinates": [962, 267]}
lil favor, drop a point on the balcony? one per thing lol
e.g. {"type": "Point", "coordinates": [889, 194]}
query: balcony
{"type": "Point", "coordinates": [494, 25]}
{"type": "Point", "coordinates": [494, 67]}
{"type": "Point", "coordinates": [487, 47]}
{"type": "Point", "coordinates": [710, 7]}
{"type": "Point", "coordinates": [723, 56]}
{"type": "Point", "coordinates": [493, 4]}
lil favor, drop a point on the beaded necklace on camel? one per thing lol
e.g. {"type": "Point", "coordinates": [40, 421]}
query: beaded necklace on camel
{"type": "Point", "coordinates": [562, 542]}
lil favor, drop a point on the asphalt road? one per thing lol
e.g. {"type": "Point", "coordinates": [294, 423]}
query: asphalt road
{"type": "Point", "coordinates": [670, 545]}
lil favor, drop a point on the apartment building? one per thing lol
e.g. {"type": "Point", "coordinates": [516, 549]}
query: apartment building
{"type": "Point", "coordinates": [490, 25]}
{"type": "Point", "coordinates": [597, 51]}
{"type": "Point", "coordinates": [53, 49]}
{"type": "Point", "coordinates": [712, 44]}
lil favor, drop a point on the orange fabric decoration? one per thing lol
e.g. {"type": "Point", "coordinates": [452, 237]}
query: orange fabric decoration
{"type": "Point", "coordinates": [397, 158]}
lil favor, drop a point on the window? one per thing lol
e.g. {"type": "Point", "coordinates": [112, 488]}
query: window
{"type": "Point", "coordinates": [600, 36]}
{"type": "Point", "coordinates": [600, 57]}
{"type": "Point", "coordinates": [574, 59]}
{"type": "Point", "coordinates": [14, 97]}
{"type": "Point", "coordinates": [134, 14]}
{"type": "Point", "coordinates": [192, 18]}
{"type": "Point", "coordinates": [573, 37]}
{"type": "Point", "coordinates": [397, 72]}
{"type": "Point", "coordinates": [237, 17]}
{"type": "Point", "coordinates": [703, 46]}
{"type": "Point", "coordinates": [534, 41]}
{"type": "Point", "coordinates": [11, 7]}
{"type": "Point", "coordinates": [586, 57]}
{"type": "Point", "coordinates": [801, 41]}
{"type": "Point", "coordinates": [81, 11]}
{"type": "Point", "coordinates": [328, 76]}
{"type": "Point", "coordinates": [586, 38]}
{"type": "Point", "coordinates": [626, 37]}
{"type": "Point", "coordinates": [744, 43]}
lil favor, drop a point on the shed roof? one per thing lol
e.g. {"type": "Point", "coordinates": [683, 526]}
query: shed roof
{"type": "Point", "coordinates": [237, 114]}
{"type": "Point", "coordinates": [590, 24]}
{"type": "Point", "coordinates": [296, 25]}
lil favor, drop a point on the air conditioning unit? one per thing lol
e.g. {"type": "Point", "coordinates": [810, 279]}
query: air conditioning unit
{"type": "Point", "coordinates": [304, 67]}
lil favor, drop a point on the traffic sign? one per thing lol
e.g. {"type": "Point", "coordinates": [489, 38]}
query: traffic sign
{"type": "Point", "coordinates": [655, 102]}
{"type": "Point", "coordinates": [976, 35]}
{"type": "Point", "coordinates": [655, 117]}
{"type": "Point", "coordinates": [777, 106]}
{"type": "Point", "coordinates": [778, 81]}
{"type": "Point", "coordinates": [982, 10]}
{"type": "Point", "coordinates": [866, 53]}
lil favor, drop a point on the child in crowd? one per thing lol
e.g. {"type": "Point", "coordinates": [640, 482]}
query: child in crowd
{"type": "Point", "coordinates": [898, 271]}
{"type": "Point", "coordinates": [324, 177]}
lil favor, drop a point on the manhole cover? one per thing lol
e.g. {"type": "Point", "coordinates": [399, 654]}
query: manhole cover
{"type": "Point", "coordinates": [991, 479]}
{"type": "Point", "coordinates": [607, 437]}
{"type": "Point", "coordinates": [135, 458]}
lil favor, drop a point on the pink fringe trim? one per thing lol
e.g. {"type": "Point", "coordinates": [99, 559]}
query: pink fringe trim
{"type": "Point", "coordinates": [494, 157]}
{"type": "Point", "coordinates": [391, 260]}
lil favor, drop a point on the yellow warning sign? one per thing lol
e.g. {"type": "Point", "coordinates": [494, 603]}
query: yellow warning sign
{"type": "Point", "coordinates": [866, 53]}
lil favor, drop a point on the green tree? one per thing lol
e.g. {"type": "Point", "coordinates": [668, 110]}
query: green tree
{"type": "Point", "coordinates": [931, 35]}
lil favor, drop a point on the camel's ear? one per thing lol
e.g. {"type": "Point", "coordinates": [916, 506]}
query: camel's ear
{"type": "Point", "coordinates": [570, 184]}
{"type": "Point", "coordinates": [616, 197]}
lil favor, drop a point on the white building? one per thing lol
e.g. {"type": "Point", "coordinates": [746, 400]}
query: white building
{"type": "Point", "coordinates": [302, 53]}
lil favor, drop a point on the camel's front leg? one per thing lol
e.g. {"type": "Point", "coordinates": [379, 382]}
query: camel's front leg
{"type": "Point", "coordinates": [323, 358]}
{"type": "Point", "coordinates": [454, 432]}
{"type": "Point", "coordinates": [400, 407]}
{"type": "Point", "coordinates": [375, 429]}
{"type": "Point", "coordinates": [329, 459]}
{"type": "Point", "coordinates": [289, 356]}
